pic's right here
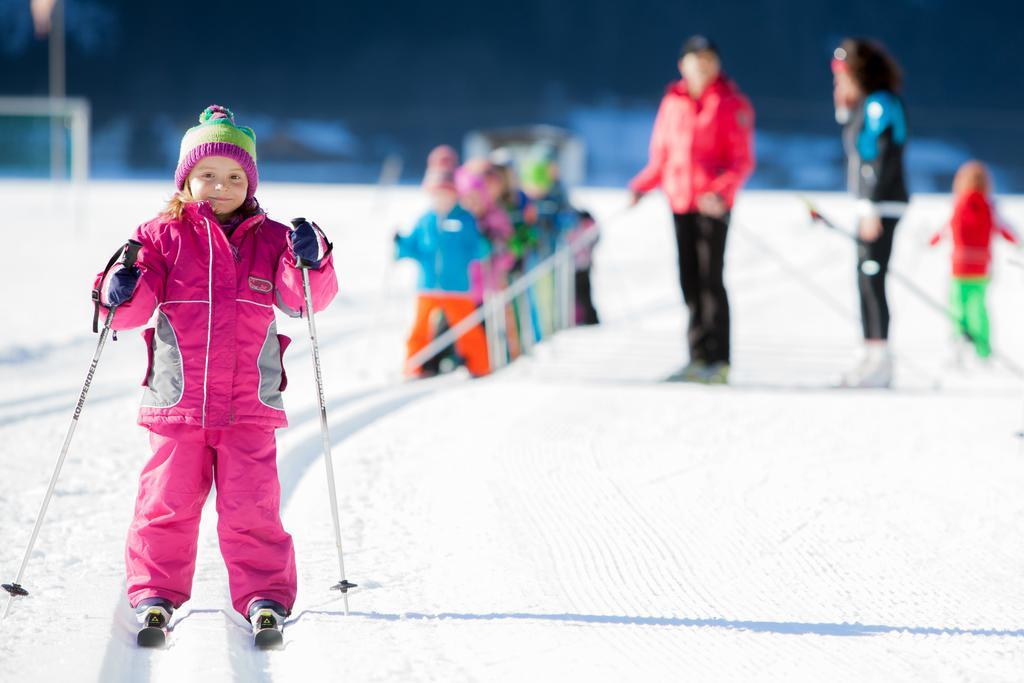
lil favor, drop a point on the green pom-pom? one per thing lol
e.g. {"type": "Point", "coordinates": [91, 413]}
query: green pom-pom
{"type": "Point", "coordinates": [216, 112]}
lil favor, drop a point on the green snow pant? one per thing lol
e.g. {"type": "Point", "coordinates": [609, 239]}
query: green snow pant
{"type": "Point", "coordinates": [967, 309]}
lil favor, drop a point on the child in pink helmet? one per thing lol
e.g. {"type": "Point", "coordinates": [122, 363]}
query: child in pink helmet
{"type": "Point", "coordinates": [211, 270]}
{"type": "Point", "coordinates": [490, 274]}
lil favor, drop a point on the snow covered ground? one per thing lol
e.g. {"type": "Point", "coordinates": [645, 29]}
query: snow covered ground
{"type": "Point", "coordinates": [570, 518]}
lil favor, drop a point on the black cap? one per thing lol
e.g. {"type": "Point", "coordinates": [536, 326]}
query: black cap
{"type": "Point", "coordinates": [697, 43]}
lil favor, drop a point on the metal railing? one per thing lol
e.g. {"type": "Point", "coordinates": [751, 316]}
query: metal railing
{"type": "Point", "coordinates": [492, 312]}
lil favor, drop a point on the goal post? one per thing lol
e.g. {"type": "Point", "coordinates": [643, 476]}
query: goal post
{"type": "Point", "coordinates": [25, 144]}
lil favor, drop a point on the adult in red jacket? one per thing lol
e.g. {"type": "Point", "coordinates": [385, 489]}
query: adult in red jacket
{"type": "Point", "coordinates": [701, 153]}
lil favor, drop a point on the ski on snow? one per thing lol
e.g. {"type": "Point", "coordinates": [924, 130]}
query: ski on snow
{"type": "Point", "coordinates": [153, 633]}
{"type": "Point", "coordinates": [267, 629]}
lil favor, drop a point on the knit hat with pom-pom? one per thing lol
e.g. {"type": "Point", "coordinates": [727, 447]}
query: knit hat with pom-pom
{"type": "Point", "coordinates": [218, 136]}
{"type": "Point", "coordinates": [470, 177]}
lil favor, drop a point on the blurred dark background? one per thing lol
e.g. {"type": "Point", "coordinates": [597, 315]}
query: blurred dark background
{"type": "Point", "coordinates": [332, 89]}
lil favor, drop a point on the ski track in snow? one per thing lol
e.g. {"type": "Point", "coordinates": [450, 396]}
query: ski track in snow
{"type": "Point", "coordinates": [571, 517]}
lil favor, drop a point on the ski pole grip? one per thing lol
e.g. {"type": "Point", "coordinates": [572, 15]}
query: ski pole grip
{"type": "Point", "coordinates": [300, 262]}
{"type": "Point", "coordinates": [131, 253]}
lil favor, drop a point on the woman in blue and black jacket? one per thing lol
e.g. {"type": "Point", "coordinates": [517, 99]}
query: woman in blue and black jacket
{"type": "Point", "coordinates": [868, 105]}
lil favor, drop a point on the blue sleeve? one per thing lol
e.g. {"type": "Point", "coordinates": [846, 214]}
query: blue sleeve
{"type": "Point", "coordinates": [408, 246]}
{"type": "Point", "coordinates": [483, 247]}
{"type": "Point", "coordinates": [477, 246]}
{"type": "Point", "coordinates": [568, 218]}
{"type": "Point", "coordinates": [882, 111]}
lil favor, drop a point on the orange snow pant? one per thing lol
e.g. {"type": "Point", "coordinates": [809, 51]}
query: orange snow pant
{"type": "Point", "coordinates": [472, 346]}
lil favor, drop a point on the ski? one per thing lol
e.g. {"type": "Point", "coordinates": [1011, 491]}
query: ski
{"type": "Point", "coordinates": [267, 629]}
{"type": "Point", "coordinates": [153, 633]}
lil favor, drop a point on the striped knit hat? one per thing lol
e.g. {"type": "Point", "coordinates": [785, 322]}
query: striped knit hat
{"type": "Point", "coordinates": [217, 135]}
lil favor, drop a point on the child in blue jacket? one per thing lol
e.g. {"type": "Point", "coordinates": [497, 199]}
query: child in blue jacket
{"type": "Point", "coordinates": [445, 241]}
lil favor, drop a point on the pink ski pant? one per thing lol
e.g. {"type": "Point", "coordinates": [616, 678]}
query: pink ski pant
{"type": "Point", "coordinates": [162, 539]}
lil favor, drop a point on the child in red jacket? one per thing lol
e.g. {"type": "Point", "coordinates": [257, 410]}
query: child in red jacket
{"type": "Point", "coordinates": [973, 223]}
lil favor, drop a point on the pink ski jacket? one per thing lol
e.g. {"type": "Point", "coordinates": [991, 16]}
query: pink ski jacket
{"type": "Point", "coordinates": [489, 273]}
{"type": "Point", "coordinates": [214, 351]}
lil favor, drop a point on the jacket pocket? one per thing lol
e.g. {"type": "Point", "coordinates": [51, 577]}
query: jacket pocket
{"type": "Point", "coordinates": [165, 379]}
{"type": "Point", "coordinates": [283, 341]}
{"type": "Point", "coordinates": [270, 369]}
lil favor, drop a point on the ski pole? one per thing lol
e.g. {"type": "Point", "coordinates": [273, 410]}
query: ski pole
{"type": "Point", "coordinates": [128, 253]}
{"type": "Point", "coordinates": [798, 275]}
{"type": "Point", "coordinates": [818, 217]}
{"type": "Point", "coordinates": [344, 585]}
{"type": "Point", "coordinates": [922, 296]}
{"type": "Point", "coordinates": [812, 288]}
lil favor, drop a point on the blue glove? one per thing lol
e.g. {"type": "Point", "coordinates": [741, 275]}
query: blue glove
{"type": "Point", "coordinates": [308, 242]}
{"type": "Point", "coordinates": [120, 285]}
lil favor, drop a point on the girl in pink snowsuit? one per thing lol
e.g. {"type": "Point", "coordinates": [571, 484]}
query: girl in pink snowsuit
{"type": "Point", "coordinates": [211, 270]}
{"type": "Point", "coordinates": [490, 274]}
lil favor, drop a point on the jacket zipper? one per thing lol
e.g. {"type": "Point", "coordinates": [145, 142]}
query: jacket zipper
{"type": "Point", "coordinates": [209, 320]}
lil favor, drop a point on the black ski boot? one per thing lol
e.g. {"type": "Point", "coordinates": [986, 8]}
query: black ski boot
{"type": "Point", "coordinates": [153, 614]}
{"type": "Point", "coordinates": [267, 619]}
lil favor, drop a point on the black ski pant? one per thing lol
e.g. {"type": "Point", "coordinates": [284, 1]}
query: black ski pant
{"type": "Point", "coordinates": [586, 314]}
{"type": "Point", "coordinates": [874, 308]}
{"type": "Point", "coordinates": [701, 241]}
